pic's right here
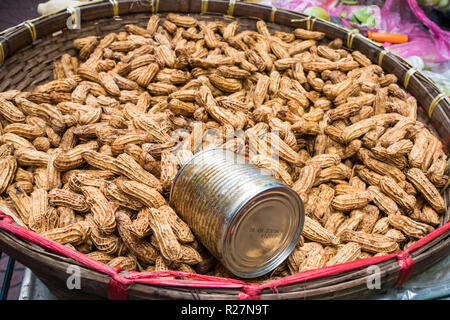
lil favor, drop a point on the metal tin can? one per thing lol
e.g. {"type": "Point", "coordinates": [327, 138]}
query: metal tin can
{"type": "Point", "coordinates": [248, 220]}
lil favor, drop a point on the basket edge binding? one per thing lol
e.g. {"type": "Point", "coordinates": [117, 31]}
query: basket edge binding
{"type": "Point", "coordinates": [118, 285]}
{"type": "Point", "coordinates": [248, 291]}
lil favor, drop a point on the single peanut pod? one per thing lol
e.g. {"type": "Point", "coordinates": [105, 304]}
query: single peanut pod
{"type": "Point", "coordinates": [73, 158]}
{"type": "Point", "coordinates": [259, 94]}
{"type": "Point", "coordinates": [308, 35]}
{"type": "Point", "coordinates": [305, 182]}
{"type": "Point", "coordinates": [10, 112]}
{"type": "Point", "coordinates": [374, 243]}
{"type": "Point", "coordinates": [351, 223]}
{"type": "Point", "coordinates": [152, 24]}
{"type": "Point", "coordinates": [66, 216]}
{"type": "Point", "coordinates": [357, 129]}
{"type": "Point", "coordinates": [433, 147]}
{"type": "Point", "coordinates": [383, 202]}
{"type": "Point", "coordinates": [348, 202]}
{"type": "Point", "coordinates": [128, 167]}
{"type": "Point", "coordinates": [324, 160]}
{"type": "Point", "coordinates": [189, 255]}
{"type": "Point", "coordinates": [348, 252]}
{"type": "Point", "coordinates": [417, 153]}
{"type": "Point", "coordinates": [315, 259]}
{"type": "Point", "coordinates": [21, 202]}
{"type": "Point", "coordinates": [146, 74]}
{"type": "Point", "coordinates": [400, 147]}
{"type": "Point", "coordinates": [8, 167]}
{"type": "Point", "coordinates": [313, 231]}
{"type": "Point", "coordinates": [30, 157]}
{"type": "Point", "coordinates": [334, 221]}
{"type": "Point", "coordinates": [77, 180]}
{"type": "Point", "coordinates": [101, 208]}
{"type": "Point", "coordinates": [75, 233]}
{"type": "Point", "coordinates": [339, 172]}
{"type": "Point", "coordinates": [326, 195]}
{"type": "Point", "coordinates": [409, 226]}
{"type": "Point", "coordinates": [142, 249]}
{"type": "Point", "coordinates": [100, 256]}
{"type": "Point", "coordinates": [225, 84]}
{"type": "Point", "coordinates": [395, 235]}
{"type": "Point", "coordinates": [426, 188]}
{"type": "Point", "coordinates": [141, 225]}
{"type": "Point", "coordinates": [145, 194]}
{"type": "Point", "coordinates": [382, 226]}
{"type": "Point", "coordinates": [38, 220]}
{"type": "Point", "coordinates": [395, 192]}
{"type": "Point", "coordinates": [182, 20]}
{"type": "Point", "coordinates": [66, 198]}
{"type": "Point", "coordinates": [168, 244]}
{"type": "Point", "coordinates": [370, 218]}
{"type": "Point", "coordinates": [361, 58]}
{"type": "Point", "coordinates": [301, 46]}
{"type": "Point", "coordinates": [123, 263]}
{"type": "Point", "coordinates": [230, 30]}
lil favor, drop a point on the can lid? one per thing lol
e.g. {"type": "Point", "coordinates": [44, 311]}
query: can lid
{"type": "Point", "coordinates": [264, 231]}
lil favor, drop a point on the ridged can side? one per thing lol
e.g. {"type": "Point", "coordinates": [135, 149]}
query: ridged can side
{"type": "Point", "coordinates": [248, 220]}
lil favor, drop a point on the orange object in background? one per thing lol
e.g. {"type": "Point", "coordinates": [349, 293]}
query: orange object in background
{"type": "Point", "coordinates": [387, 37]}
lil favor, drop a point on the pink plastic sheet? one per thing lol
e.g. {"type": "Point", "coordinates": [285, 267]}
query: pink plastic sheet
{"type": "Point", "coordinates": [396, 16]}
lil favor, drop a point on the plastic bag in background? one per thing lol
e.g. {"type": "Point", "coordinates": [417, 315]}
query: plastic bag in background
{"type": "Point", "coordinates": [264, 2]}
{"type": "Point", "coordinates": [334, 8]}
{"type": "Point", "coordinates": [433, 283]}
{"type": "Point", "coordinates": [406, 17]}
{"type": "Point", "coordinates": [441, 37]}
{"type": "Point", "coordinates": [394, 17]}
{"type": "Point", "coordinates": [442, 79]}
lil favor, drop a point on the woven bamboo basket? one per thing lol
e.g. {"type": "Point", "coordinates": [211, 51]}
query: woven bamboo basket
{"type": "Point", "coordinates": [28, 51]}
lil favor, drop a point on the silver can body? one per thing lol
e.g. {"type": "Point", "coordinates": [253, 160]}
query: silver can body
{"type": "Point", "coordinates": [248, 220]}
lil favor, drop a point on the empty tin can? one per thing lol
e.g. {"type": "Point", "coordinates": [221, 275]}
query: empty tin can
{"type": "Point", "coordinates": [248, 220]}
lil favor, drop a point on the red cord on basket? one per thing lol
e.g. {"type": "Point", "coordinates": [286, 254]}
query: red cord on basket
{"type": "Point", "coordinates": [118, 285]}
{"type": "Point", "coordinates": [406, 264]}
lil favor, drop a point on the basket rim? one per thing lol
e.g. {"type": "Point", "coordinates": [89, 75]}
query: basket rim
{"type": "Point", "coordinates": [279, 288]}
{"type": "Point", "coordinates": [125, 7]}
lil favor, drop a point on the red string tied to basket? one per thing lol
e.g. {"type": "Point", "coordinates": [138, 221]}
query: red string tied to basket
{"type": "Point", "coordinates": [118, 286]}
{"type": "Point", "coordinates": [406, 264]}
{"type": "Point", "coordinates": [250, 291]}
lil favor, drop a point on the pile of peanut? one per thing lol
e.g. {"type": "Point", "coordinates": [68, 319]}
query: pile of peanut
{"type": "Point", "coordinates": [88, 159]}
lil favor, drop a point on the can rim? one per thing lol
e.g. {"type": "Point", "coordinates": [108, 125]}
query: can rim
{"type": "Point", "coordinates": [281, 255]}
